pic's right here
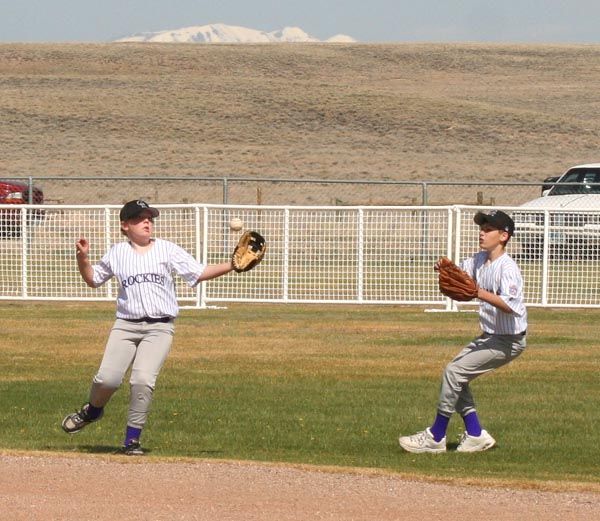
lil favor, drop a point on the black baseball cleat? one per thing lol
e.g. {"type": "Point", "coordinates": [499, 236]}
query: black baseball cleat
{"type": "Point", "coordinates": [76, 421]}
{"type": "Point", "coordinates": [133, 448]}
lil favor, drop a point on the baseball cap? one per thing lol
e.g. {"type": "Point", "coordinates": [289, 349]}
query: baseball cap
{"type": "Point", "coordinates": [134, 208]}
{"type": "Point", "coordinates": [496, 219]}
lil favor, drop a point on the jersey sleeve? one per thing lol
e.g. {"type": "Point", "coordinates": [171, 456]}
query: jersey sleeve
{"type": "Point", "coordinates": [468, 265]}
{"type": "Point", "coordinates": [185, 265]}
{"type": "Point", "coordinates": [103, 270]}
{"type": "Point", "coordinates": [511, 290]}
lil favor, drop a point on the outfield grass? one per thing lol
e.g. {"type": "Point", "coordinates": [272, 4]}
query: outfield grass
{"type": "Point", "coordinates": [325, 385]}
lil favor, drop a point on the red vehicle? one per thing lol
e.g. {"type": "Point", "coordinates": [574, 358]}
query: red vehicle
{"type": "Point", "coordinates": [15, 192]}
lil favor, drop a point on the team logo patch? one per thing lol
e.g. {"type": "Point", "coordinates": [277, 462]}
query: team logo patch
{"type": "Point", "coordinates": [513, 290]}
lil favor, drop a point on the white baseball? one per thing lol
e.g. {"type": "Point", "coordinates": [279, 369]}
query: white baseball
{"type": "Point", "coordinates": [236, 224]}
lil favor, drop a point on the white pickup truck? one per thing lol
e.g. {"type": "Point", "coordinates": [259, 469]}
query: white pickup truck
{"type": "Point", "coordinates": [566, 216]}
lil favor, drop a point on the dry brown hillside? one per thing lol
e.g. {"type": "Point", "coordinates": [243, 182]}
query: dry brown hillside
{"type": "Point", "coordinates": [353, 111]}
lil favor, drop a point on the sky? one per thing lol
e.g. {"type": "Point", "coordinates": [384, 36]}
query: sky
{"type": "Point", "coordinates": [513, 21]}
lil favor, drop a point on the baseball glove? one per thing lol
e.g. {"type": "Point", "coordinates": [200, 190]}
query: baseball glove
{"type": "Point", "coordinates": [249, 251]}
{"type": "Point", "coordinates": [454, 282]}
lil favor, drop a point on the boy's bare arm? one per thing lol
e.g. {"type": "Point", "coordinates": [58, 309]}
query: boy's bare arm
{"type": "Point", "coordinates": [83, 262]}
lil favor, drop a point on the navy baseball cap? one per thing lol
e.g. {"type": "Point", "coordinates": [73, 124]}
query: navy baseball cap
{"type": "Point", "coordinates": [496, 219]}
{"type": "Point", "coordinates": [134, 208]}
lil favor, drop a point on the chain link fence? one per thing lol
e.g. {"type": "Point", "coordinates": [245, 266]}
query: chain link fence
{"type": "Point", "coordinates": [233, 190]}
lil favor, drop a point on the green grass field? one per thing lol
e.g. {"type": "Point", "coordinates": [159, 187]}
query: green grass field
{"type": "Point", "coordinates": [323, 385]}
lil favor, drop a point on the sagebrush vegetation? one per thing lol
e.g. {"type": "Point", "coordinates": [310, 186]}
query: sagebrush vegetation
{"type": "Point", "coordinates": [343, 111]}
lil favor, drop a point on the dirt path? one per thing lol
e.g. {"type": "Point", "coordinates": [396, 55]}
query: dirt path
{"type": "Point", "coordinates": [56, 488]}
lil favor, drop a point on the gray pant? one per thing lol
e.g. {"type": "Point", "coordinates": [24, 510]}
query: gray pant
{"type": "Point", "coordinates": [142, 346]}
{"type": "Point", "coordinates": [482, 355]}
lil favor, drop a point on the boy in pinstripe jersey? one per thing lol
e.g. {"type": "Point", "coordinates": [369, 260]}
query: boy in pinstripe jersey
{"type": "Point", "coordinates": [503, 321]}
{"type": "Point", "coordinates": [142, 334]}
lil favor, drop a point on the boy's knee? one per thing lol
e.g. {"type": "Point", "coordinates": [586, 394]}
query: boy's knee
{"type": "Point", "coordinates": [449, 371]}
{"type": "Point", "coordinates": [454, 373]}
{"type": "Point", "coordinates": [139, 405]}
{"type": "Point", "coordinates": [141, 396]}
{"type": "Point", "coordinates": [109, 379]}
{"type": "Point", "coordinates": [141, 379]}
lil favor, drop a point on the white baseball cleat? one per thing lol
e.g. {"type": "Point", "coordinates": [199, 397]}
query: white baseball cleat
{"type": "Point", "coordinates": [76, 421]}
{"type": "Point", "coordinates": [422, 442]}
{"type": "Point", "coordinates": [470, 443]}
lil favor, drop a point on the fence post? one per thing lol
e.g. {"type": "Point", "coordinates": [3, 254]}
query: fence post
{"type": "Point", "coordinates": [108, 244]}
{"type": "Point", "coordinates": [24, 244]}
{"type": "Point", "coordinates": [198, 254]}
{"type": "Point", "coordinates": [30, 198]}
{"type": "Point", "coordinates": [424, 197]}
{"type": "Point", "coordinates": [361, 261]}
{"type": "Point", "coordinates": [545, 255]}
{"type": "Point", "coordinates": [225, 190]}
{"type": "Point", "coordinates": [454, 224]}
{"type": "Point", "coordinates": [204, 251]}
{"type": "Point", "coordinates": [285, 272]}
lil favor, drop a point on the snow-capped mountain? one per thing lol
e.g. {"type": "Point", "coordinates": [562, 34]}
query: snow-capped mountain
{"type": "Point", "coordinates": [221, 33]}
{"type": "Point", "coordinates": [341, 38]}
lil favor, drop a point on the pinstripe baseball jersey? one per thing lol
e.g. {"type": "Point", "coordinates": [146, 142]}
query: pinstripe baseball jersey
{"type": "Point", "coordinates": [146, 285]}
{"type": "Point", "coordinates": [502, 277]}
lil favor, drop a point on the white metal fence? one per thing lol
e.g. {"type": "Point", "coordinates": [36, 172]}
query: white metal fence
{"type": "Point", "coordinates": [362, 254]}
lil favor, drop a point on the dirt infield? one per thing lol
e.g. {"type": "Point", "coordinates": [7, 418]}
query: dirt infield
{"type": "Point", "coordinates": [52, 487]}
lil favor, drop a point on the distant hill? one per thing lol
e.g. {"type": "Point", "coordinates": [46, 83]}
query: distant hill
{"type": "Point", "coordinates": [221, 33]}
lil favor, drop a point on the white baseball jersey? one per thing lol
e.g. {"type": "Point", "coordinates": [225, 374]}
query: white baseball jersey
{"type": "Point", "coordinates": [502, 277]}
{"type": "Point", "coordinates": [146, 285]}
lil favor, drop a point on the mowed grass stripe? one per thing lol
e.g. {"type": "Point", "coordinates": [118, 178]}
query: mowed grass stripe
{"type": "Point", "coordinates": [325, 385]}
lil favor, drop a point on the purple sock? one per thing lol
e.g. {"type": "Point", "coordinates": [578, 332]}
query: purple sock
{"type": "Point", "coordinates": [472, 424]}
{"type": "Point", "coordinates": [132, 433]}
{"type": "Point", "coordinates": [439, 427]}
{"type": "Point", "coordinates": [94, 413]}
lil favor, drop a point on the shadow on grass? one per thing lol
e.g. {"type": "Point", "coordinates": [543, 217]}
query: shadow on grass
{"type": "Point", "coordinates": [451, 447]}
{"type": "Point", "coordinates": [105, 449]}
{"type": "Point", "coordinates": [91, 449]}
{"type": "Point", "coordinates": [206, 452]}
{"type": "Point", "coordinates": [99, 449]}
{"type": "Point", "coordinates": [112, 449]}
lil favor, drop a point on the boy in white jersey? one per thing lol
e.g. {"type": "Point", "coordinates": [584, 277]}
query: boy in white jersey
{"type": "Point", "coordinates": [503, 321]}
{"type": "Point", "coordinates": [142, 334]}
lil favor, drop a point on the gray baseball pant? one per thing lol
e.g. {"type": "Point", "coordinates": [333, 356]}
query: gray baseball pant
{"type": "Point", "coordinates": [142, 346]}
{"type": "Point", "coordinates": [484, 354]}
